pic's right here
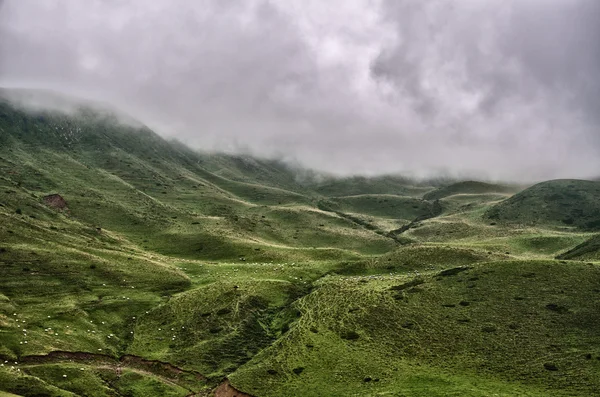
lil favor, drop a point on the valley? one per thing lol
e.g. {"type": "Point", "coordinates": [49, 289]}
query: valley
{"type": "Point", "coordinates": [173, 272]}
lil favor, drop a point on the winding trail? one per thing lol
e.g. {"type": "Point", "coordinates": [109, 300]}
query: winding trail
{"type": "Point", "coordinates": [163, 371]}
{"type": "Point", "coordinates": [156, 367]}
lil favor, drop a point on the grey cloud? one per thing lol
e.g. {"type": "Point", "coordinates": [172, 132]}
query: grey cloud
{"type": "Point", "coordinates": [499, 89]}
{"type": "Point", "coordinates": [520, 76]}
{"type": "Point", "coordinates": [497, 53]}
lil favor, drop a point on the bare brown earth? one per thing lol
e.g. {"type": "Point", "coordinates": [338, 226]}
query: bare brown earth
{"type": "Point", "coordinates": [55, 201]}
{"type": "Point", "coordinates": [226, 390]}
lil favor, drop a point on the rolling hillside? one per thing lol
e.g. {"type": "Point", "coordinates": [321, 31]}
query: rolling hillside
{"type": "Point", "coordinates": [469, 187]}
{"type": "Point", "coordinates": [588, 250]}
{"type": "Point", "coordinates": [149, 190]}
{"type": "Point", "coordinates": [567, 203]}
{"type": "Point", "coordinates": [135, 266]}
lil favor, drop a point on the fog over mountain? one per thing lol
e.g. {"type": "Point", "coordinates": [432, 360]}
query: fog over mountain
{"type": "Point", "coordinates": [501, 89]}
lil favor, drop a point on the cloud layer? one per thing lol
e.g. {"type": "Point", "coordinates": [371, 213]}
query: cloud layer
{"type": "Point", "coordinates": [503, 89]}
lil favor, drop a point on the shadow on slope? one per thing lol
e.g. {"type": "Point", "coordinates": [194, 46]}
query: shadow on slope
{"type": "Point", "coordinates": [588, 250]}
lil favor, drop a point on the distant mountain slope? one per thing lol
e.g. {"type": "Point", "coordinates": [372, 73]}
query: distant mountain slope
{"type": "Point", "coordinates": [383, 205]}
{"type": "Point", "coordinates": [166, 197]}
{"type": "Point", "coordinates": [352, 186]}
{"type": "Point", "coordinates": [245, 168]}
{"type": "Point", "coordinates": [558, 203]}
{"type": "Point", "coordinates": [468, 187]}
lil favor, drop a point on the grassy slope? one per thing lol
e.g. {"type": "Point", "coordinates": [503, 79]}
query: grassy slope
{"type": "Point", "coordinates": [495, 327]}
{"type": "Point", "coordinates": [564, 203]}
{"type": "Point", "coordinates": [588, 250]}
{"type": "Point", "coordinates": [468, 187]}
{"type": "Point", "coordinates": [384, 206]}
{"type": "Point", "coordinates": [230, 266]}
{"type": "Point", "coordinates": [352, 186]}
{"type": "Point", "coordinates": [159, 195]}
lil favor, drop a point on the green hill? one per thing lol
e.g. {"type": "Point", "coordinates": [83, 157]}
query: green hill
{"type": "Point", "coordinates": [572, 203]}
{"type": "Point", "coordinates": [468, 187]}
{"type": "Point", "coordinates": [501, 328]}
{"type": "Point", "coordinates": [383, 205]}
{"type": "Point", "coordinates": [357, 185]}
{"type": "Point", "coordinates": [165, 196]}
{"type": "Point", "coordinates": [135, 266]}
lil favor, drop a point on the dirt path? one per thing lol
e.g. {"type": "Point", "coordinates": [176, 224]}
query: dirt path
{"type": "Point", "coordinates": [165, 372]}
{"type": "Point", "coordinates": [156, 367]}
{"type": "Point", "coordinates": [119, 370]}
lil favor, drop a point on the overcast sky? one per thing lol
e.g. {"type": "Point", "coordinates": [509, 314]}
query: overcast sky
{"type": "Point", "coordinates": [501, 89]}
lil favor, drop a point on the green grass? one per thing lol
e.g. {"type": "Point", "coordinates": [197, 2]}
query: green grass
{"type": "Point", "coordinates": [352, 186]}
{"type": "Point", "coordinates": [4, 394]}
{"type": "Point", "coordinates": [89, 380]}
{"type": "Point", "coordinates": [172, 270]}
{"type": "Point", "coordinates": [587, 250]}
{"type": "Point", "coordinates": [465, 204]}
{"type": "Point", "coordinates": [383, 206]}
{"type": "Point", "coordinates": [491, 326]}
{"type": "Point", "coordinates": [560, 203]}
{"type": "Point", "coordinates": [15, 381]}
{"type": "Point", "coordinates": [469, 187]}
